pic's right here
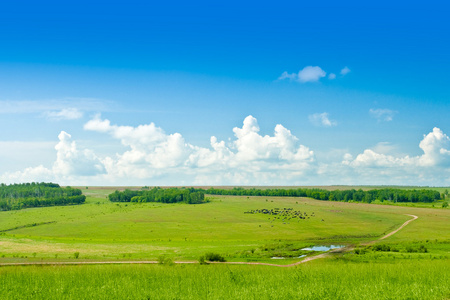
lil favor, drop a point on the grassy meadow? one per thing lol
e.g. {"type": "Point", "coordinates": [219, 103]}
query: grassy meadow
{"type": "Point", "coordinates": [326, 279]}
{"type": "Point", "coordinates": [415, 267]}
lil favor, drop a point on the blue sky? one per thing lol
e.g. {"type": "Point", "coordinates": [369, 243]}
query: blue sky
{"type": "Point", "coordinates": [360, 91]}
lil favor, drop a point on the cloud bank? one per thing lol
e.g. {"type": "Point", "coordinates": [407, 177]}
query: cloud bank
{"type": "Point", "coordinates": [250, 157]}
{"type": "Point", "coordinates": [154, 157]}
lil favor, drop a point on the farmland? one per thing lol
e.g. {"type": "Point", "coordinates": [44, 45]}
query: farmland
{"type": "Point", "coordinates": [100, 230]}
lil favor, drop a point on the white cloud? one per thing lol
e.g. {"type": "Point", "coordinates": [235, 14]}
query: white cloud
{"type": "Point", "coordinates": [70, 165]}
{"type": "Point", "coordinates": [31, 174]}
{"type": "Point", "coordinates": [153, 153]}
{"type": "Point", "coordinates": [370, 158]}
{"type": "Point", "coordinates": [154, 157]}
{"type": "Point", "coordinates": [311, 74]}
{"type": "Point", "coordinates": [70, 161]}
{"type": "Point", "coordinates": [430, 168]}
{"type": "Point", "coordinates": [281, 147]}
{"type": "Point", "coordinates": [307, 74]}
{"type": "Point", "coordinates": [322, 120]}
{"type": "Point", "coordinates": [64, 114]}
{"type": "Point", "coordinates": [434, 149]}
{"type": "Point", "coordinates": [345, 71]}
{"type": "Point", "coordinates": [386, 115]}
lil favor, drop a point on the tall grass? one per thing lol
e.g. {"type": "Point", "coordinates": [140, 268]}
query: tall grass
{"type": "Point", "coordinates": [426, 279]}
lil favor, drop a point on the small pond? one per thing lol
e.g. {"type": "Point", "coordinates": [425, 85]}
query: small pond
{"type": "Point", "coordinates": [323, 248]}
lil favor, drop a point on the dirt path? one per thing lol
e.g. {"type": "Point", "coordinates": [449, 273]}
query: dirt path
{"type": "Point", "coordinates": [404, 224]}
{"type": "Point", "coordinates": [307, 259]}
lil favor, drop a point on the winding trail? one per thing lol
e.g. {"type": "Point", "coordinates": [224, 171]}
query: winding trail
{"type": "Point", "coordinates": [307, 259]}
{"type": "Point", "coordinates": [404, 224]}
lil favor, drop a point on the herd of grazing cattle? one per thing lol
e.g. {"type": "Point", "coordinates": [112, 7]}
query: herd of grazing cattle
{"type": "Point", "coordinates": [283, 214]}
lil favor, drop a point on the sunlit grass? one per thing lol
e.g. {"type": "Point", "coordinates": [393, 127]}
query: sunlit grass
{"type": "Point", "coordinates": [320, 280]}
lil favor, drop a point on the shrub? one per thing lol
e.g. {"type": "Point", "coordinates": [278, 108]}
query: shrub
{"type": "Point", "coordinates": [422, 249]}
{"type": "Point", "coordinates": [214, 257]}
{"type": "Point", "coordinates": [163, 260]}
{"type": "Point", "coordinates": [202, 261]}
{"type": "Point", "coordinates": [381, 247]}
{"type": "Point", "coordinates": [360, 251]}
{"type": "Point", "coordinates": [76, 254]}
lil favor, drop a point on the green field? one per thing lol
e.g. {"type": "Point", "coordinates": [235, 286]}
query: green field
{"type": "Point", "coordinates": [327, 279]}
{"type": "Point", "coordinates": [103, 231]}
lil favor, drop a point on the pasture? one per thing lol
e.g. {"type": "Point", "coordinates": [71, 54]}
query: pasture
{"type": "Point", "coordinates": [239, 229]}
{"type": "Point", "coordinates": [100, 229]}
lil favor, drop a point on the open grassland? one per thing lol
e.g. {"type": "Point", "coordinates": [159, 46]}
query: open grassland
{"type": "Point", "coordinates": [411, 264]}
{"type": "Point", "coordinates": [100, 229]}
{"type": "Point", "coordinates": [326, 279]}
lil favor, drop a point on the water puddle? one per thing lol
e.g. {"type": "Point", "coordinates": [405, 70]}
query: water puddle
{"type": "Point", "coordinates": [323, 248]}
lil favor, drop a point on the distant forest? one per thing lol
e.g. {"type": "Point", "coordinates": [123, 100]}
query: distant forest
{"type": "Point", "coordinates": [386, 194]}
{"type": "Point", "coordinates": [193, 195]}
{"type": "Point", "coordinates": [169, 195]}
{"type": "Point", "coordinates": [19, 196]}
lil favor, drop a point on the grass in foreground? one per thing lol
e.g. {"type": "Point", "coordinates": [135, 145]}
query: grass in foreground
{"type": "Point", "coordinates": [329, 279]}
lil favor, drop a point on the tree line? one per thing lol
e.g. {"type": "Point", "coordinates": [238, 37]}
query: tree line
{"type": "Point", "coordinates": [24, 195]}
{"type": "Point", "coordinates": [197, 195]}
{"type": "Point", "coordinates": [386, 194]}
{"type": "Point", "coordinates": [157, 194]}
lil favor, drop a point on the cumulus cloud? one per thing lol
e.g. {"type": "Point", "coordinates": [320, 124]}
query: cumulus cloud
{"type": "Point", "coordinates": [429, 167]}
{"type": "Point", "coordinates": [70, 161]}
{"type": "Point", "coordinates": [345, 71]}
{"type": "Point", "coordinates": [332, 76]}
{"type": "Point", "coordinates": [385, 114]}
{"type": "Point", "coordinates": [381, 164]}
{"type": "Point", "coordinates": [152, 156]}
{"type": "Point", "coordinates": [283, 146]}
{"type": "Point", "coordinates": [321, 119]}
{"type": "Point", "coordinates": [64, 114]}
{"type": "Point", "coordinates": [434, 146]}
{"type": "Point", "coordinates": [152, 153]}
{"type": "Point", "coordinates": [149, 145]}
